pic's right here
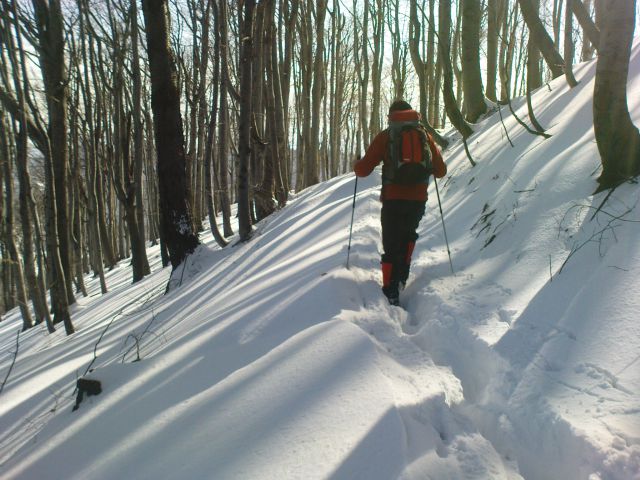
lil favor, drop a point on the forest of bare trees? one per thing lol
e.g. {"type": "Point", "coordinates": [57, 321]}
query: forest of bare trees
{"type": "Point", "coordinates": [126, 122]}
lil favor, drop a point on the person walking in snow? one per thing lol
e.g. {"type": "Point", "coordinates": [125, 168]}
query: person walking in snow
{"type": "Point", "coordinates": [409, 156]}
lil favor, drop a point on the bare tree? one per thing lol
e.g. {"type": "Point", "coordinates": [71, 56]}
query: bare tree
{"type": "Point", "coordinates": [29, 214]}
{"type": "Point", "coordinates": [617, 137]}
{"type": "Point", "coordinates": [494, 8]}
{"type": "Point", "coordinates": [569, 48]}
{"type": "Point", "coordinates": [223, 121]}
{"type": "Point", "coordinates": [422, 70]}
{"type": "Point", "coordinates": [176, 223]}
{"type": "Point", "coordinates": [444, 42]}
{"type": "Point", "coordinates": [138, 244]}
{"type": "Point", "coordinates": [534, 72]}
{"type": "Point", "coordinates": [541, 38]}
{"type": "Point", "coordinates": [246, 44]}
{"type": "Point", "coordinates": [377, 17]}
{"type": "Point", "coordinates": [317, 94]}
{"type": "Point", "coordinates": [8, 226]}
{"type": "Point", "coordinates": [90, 154]}
{"type": "Point", "coordinates": [50, 29]}
{"type": "Point", "coordinates": [591, 33]}
{"type": "Point", "coordinates": [361, 60]}
{"type": "Point", "coordinates": [474, 103]}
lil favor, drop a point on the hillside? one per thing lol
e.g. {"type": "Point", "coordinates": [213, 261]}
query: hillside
{"type": "Point", "coordinates": [271, 360]}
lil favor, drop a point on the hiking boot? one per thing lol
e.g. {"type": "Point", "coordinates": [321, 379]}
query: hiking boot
{"type": "Point", "coordinates": [392, 294]}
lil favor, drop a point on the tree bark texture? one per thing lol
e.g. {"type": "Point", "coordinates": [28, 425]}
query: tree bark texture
{"type": "Point", "coordinates": [474, 104]}
{"type": "Point", "coordinates": [591, 31]}
{"type": "Point", "coordinates": [29, 215]}
{"type": "Point", "coordinates": [51, 33]}
{"type": "Point", "coordinates": [165, 102]}
{"type": "Point", "coordinates": [541, 38]}
{"type": "Point", "coordinates": [617, 137]}
{"type": "Point", "coordinates": [422, 70]}
{"type": "Point", "coordinates": [8, 226]}
{"type": "Point", "coordinates": [246, 40]}
{"type": "Point", "coordinates": [493, 33]}
{"type": "Point", "coordinates": [451, 106]}
{"type": "Point", "coordinates": [52, 63]}
{"type": "Point", "coordinates": [569, 48]}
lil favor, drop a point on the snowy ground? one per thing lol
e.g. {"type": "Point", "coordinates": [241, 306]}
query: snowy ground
{"type": "Point", "coordinates": [270, 360]}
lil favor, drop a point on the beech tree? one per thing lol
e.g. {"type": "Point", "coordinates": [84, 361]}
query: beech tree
{"type": "Point", "coordinates": [617, 137]}
{"type": "Point", "coordinates": [541, 38]}
{"type": "Point", "coordinates": [474, 103]}
{"type": "Point", "coordinates": [451, 105]}
{"type": "Point", "coordinates": [422, 70]}
{"type": "Point", "coordinates": [50, 30]}
{"type": "Point", "coordinates": [175, 217]}
{"type": "Point", "coordinates": [494, 9]}
{"type": "Point", "coordinates": [275, 95]}
{"type": "Point", "coordinates": [246, 44]}
{"type": "Point", "coordinates": [29, 215]}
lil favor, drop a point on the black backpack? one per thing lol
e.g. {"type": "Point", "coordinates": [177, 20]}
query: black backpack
{"type": "Point", "coordinates": [409, 160]}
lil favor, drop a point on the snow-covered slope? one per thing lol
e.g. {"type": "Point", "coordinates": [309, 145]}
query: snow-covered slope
{"type": "Point", "coordinates": [272, 360]}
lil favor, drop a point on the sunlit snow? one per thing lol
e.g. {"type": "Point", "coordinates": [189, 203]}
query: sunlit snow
{"type": "Point", "coordinates": [271, 360]}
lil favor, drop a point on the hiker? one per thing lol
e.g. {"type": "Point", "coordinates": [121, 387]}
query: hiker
{"type": "Point", "coordinates": [404, 189]}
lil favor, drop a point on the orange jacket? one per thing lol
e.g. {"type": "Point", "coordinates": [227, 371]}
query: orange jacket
{"type": "Point", "coordinates": [378, 152]}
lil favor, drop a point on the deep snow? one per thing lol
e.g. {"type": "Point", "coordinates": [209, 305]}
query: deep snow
{"type": "Point", "coordinates": [271, 360]}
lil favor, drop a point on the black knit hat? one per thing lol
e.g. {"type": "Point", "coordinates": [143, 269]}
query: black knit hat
{"type": "Point", "coordinates": [399, 105]}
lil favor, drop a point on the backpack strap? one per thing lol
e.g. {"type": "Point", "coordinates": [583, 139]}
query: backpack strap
{"type": "Point", "coordinates": [394, 160]}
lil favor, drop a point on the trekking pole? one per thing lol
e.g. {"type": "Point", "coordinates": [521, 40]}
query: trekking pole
{"type": "Point", "coordinates": [353, 209]}
{"type": "Point", "coordinates": [443, 227]}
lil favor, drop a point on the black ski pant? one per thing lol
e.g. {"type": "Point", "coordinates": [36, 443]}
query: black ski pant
{"type": "Point", "coordinates": [400, 220]}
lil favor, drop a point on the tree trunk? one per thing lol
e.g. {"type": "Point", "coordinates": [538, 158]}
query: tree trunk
{"type": "Point", "coordinates": [28, 222]}
{"type": "Point", "coordinates": [76, 208]}
{"type": "Point", "coordinates": [569, 48]}
{"type": "Point", "coordinates": [261, 169]}
{"type": "Point", "coordinates": [541, 38]}
{"type": "Point", "coordinates": [599, 7]}
{"type": "Point", "coordinates": [208, 158]}
{"type": "Point", "coordinates": [377, 18]}
{"type": "Point", "coordinates": [617, 137]}
{"type": "Point", "coordinates": [52, 63]}
{"type": "Point", "coordinates": [451, 106]}
{"type": "Point", "coordinates": [361, 49]}
{"type": "Point", "coordinates": [223, 123]}
{"type": "Point", "coordinates": [246, 41]}
{"type": "Point", "coordinates": [50, 27]}
{"type": "Point", "coordinates": [422, 71]}
{"type": "Point", "coordinates": [278, 122]}
{"type": "Point", "coordinates": [138, 147]}
{"type": "Point", "coordinates": [317, 93]}
{"type": "Point", "coordinates": [534, 73]}
{"type": "Point", "coordinates": [304, 107]}
{"type": "Point", "coordinates": [286, 66]}
{"type": "Point", "coordinates": [202, 111]}
{"type": "Point", "coordinates": [272, 178]}
{"type": "Point", "coordinates": [591, 33]}
{"type": "Point", "coordinates": [493, 33]}
{"type": "Point", "coordinates": [474, 103]}
{"type": "Point", "coordinates": [99, 179]}
{"type": "Point", "coordinates": [438, 114]}
{"type": "Point", "coordinates": [90, 148]}
{"type": "Point", "coordinates": [165, 102]}
{"type": "Point", "coordinates": [398, 51]}
{"type": "Point", "coordinates": [557, 22]}
{"type": "Point", "coordinates": [8, 226]}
